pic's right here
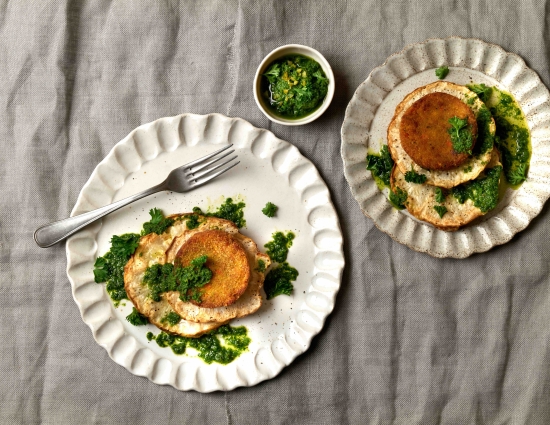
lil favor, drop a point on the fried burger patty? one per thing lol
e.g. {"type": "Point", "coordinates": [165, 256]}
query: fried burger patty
{"type": "Point", "coordinates": [227, 261]}
{"type": "Point", "coordinates": [424, 131]}
{"type": "Point", "coordinates": [449, 178]}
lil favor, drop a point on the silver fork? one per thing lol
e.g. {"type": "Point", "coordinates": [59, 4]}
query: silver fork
{"type": "Point", "coordinates": [182, 179]}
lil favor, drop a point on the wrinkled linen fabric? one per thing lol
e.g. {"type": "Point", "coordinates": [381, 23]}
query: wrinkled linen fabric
{"type": "Point", "coordinates": [412, 339]}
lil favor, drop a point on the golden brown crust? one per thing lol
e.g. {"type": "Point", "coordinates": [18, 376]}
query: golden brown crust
{"type": "Point", "coordinates": [424, 131]}
{"type": "Point", "coordinates": [227, 261]}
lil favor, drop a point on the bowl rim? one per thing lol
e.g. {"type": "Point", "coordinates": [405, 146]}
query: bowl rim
{"type": "Point", "coordinates": [282, 51]}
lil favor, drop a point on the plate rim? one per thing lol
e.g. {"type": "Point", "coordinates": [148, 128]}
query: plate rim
{"type": "Point", "coordinates": [75, 258]}
{"type": "Point", "coordinates": [429, 250]}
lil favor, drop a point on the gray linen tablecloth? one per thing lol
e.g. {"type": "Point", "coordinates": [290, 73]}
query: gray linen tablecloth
{"type": "Point", "coordinates": [412, 339]}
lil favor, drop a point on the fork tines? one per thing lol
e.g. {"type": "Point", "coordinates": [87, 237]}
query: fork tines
{"type": "Point", "coordinates": [208, 167]}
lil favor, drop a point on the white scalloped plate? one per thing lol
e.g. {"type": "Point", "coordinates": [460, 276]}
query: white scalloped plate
{"type": "Point", "coordinates": [369, 113]}
{"type": "Point", "coordinates": [270, 170]}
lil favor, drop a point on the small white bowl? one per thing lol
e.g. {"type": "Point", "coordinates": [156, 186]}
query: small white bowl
{"type": "Point", "coordinates": [294, 49]}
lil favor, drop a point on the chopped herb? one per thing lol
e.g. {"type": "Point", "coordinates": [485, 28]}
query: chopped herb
{"type": "Point", "coordinates": [439, 195]}
{"type": "Point", "coordinates": [270, 209]}
{"type": "Point", "coordinates": [235, 342]}
{"type": "Point", "coordinates": [136, 318]}
{"type": "Point", "coordinates": [277, 249]}
{"type": "Point", "coordinates": [441, 210]}
{"type": "Point", "coordinates": [228, 211]}
{"type": "Point", "coordinates": [279, 280]}
{"type": "Point", "coordinates": [482, 91]}
{"type": "Point", "coordinates": [162, 278]}
{"type": "Point", "coordinates": [398, 198]}
{"type": "Point", "coordinates": [441, 72]}
{"type": "Point", "coordinates": [192, 221]}
{"type": "Point", "coordinates": [468, 169]}
{"type": "Point", "coordinates": [158, 223]}
{"type": "Point", "coordinates": [483, 192]}
{"type": "Point", "coordinates": [171, 318]}
{"type": "Point", "coordinates": [414, 177]}
{"type": "Point", "coordinates": [517, 175]}
{"type": "Point", "coordinates": [294, 86]}
{"type": "Point", "coordinates": [381, 165]}
{"type": "Point", "coordinates": [261, 266]}
{"type": "Point", "coordinates": [110, 267]}
{"type": "Point", "coordinates": [461, 135]}
{"type": "Point", "coordinates": [485, 139]}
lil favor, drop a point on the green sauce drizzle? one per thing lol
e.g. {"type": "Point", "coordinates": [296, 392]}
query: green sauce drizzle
{"type": "Point", "coordinates": [512, 136]}
{"type": "Point", "coordinates": [414, 177]}
{"type": "Point", "coordinates": [228, 211]}
{"type": "Point", "coordinates": [279, 280]}
{"type": "Point", "coordinates": [261, 266]}
{"type": "Point", "coordinates": [482, 91]}
{"type": "Point", "coordinates": [270, 209]}
{"type": "Point", "coordinates": [294, 86]}
{"type": "Point", "coordinates": [485, 139]}
{"type": "Point", "coordinates": [161, 278]}
{"type": "Point", "coordinates": [277, 249]}
{"type": "Point", "coordinates": [136, 318]}
{"type": "Point", "coordinates": [110, 267]}
{"type": "Point", "coordinates": [192, 221]}
{"type": "Point", "coordinates": [222, 345]}
{"type": "Point", "coordinates": [171, 318]}
{"type": "Point", "coordinates": [461, 135]}
{"type": "Point", "coordinates": [398, 198]}
{"type": "Point", "coordinates": [380, 165]}
{"type": "Point", "coordinates": [442, 72]}
{"type": "Point", "coordinates": [483, 192]}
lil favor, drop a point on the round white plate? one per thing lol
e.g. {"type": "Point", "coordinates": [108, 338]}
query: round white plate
{"type": "Point", "coordinates": [372, 108]}
{"type": "Point", "coordinates": [270, 170]}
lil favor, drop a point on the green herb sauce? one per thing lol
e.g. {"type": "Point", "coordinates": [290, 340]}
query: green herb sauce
{"type": "Point", "coordinates": [228, 211]}
{"type": "Point", "coordinates": [277, 249]}
{"type": "Point", "coordinates": [380, 165]}
{"type": "Point", "coordinates": [222, 345]}
{"type": "Point", "coordinates": [279, 280]}
{"type": "Point", "coordinates": [171, 318]}
{"type": "Point", "coordinates": [442, 72]}
{"type": "Point", "coordinates": [398, 198]}
{"type": "Point", "coordinates": [414, 177]}
{"type": "Point", "coordinates": [484, 191]}
{"type": "Point", "coordinates": [192, 221]}
{"type": "Point", "coordinates": [485, 139]}
{"type": "Point", "coordinates": [136, 318]}
{"type": "Point", "coordinates": [270, 209]}
{"type": "Point", "coordinates": [294, 86]}
{"type": "Point", "coordinates": [461, 135]}
{"type": "Point", "coordinates": [161, 278]}
{"type": "Point", "coordinates": [261, 266]}
{"type": "Point", "coordinates": [512, 136]}
{"type": "Point", "coordinates": [110, 267]}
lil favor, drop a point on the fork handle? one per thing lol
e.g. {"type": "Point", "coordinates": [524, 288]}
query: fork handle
{"type": "Point", "coordinates": [52, 233]}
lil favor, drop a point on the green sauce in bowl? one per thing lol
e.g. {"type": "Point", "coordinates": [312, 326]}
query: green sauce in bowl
{"type": "Point", "coordinates": [294, 86]}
